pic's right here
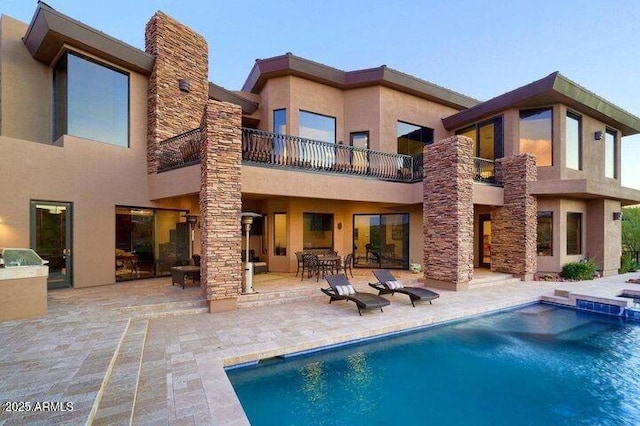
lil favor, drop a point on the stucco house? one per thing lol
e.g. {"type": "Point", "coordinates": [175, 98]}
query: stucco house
{"type": "Point", "coordinates": [119, 163]}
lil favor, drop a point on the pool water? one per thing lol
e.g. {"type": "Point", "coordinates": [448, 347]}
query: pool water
{"type": "Point", "coordinates": [537, 365]}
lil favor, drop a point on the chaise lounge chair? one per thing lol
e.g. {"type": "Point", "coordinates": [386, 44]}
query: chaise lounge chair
{"type": "Point", "coordinates": [387, 284]}
{"type": "Point", "coordinates": [341, 289]}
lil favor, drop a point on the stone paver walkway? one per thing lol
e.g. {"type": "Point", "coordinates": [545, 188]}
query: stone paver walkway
{"type": "Point", "coordinates": [116, 367]}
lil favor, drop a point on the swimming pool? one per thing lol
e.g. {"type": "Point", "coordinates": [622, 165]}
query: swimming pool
{"type": "Point", "coordinates": [540, 364]}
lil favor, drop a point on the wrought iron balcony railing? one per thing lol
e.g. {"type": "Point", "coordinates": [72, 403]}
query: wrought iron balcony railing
{"type": "Point", "coordinates": [285, 151]}
{"type": "Point", "coordinates": [180, 151]}
{"type": "Point", "coordinates": [299, 153]}
{"type": "Point", "coordinates": [484, 170]}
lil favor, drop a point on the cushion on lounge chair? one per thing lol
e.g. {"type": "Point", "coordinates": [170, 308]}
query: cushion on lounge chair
{"type": "Point", "coordinates": [387, 283]}
{"type": "Point", "coordinates": [394, 284]}
{"type": "Point", "coordinates": [345, 290]}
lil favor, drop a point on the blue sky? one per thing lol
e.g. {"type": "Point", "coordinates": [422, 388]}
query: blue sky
{"type": "Point", "coordinates": [481, 48]}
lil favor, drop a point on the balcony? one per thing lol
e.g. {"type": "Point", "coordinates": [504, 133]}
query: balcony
{"type": "Point", "coordinates": [291, 152]}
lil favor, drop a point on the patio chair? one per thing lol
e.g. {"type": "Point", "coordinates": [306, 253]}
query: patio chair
{"type": "Point", "coordinates": [341, 289]}
{"type": "Point", "coordinates": [313, 266]}
{"type": "Point", "coordinates": [388, 284]}
{"type": "Point", "coordinates": [300, 259]}
{"type": "Point", "coordinates": [347, 265]}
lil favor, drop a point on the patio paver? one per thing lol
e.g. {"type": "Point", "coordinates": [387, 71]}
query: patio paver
{"type": "Point", "coordinates": [65, 356]}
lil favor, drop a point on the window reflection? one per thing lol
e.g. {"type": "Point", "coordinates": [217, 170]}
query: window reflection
{"type": "Point", "coordinates": [536, 136]}
{"type": "Point", "coordinates": [412, 138]}
{"type": "Point", "coordinates": [545, 234]}
{"type": "Point", "coordinates": [573, 141]}
{"type": "Point", "coordinates": [487, 138]}
{"type": "Point", "coordinates": [574, 233]}
{"type": "Point", "coordinates": [610, 169]}
{"type": "Point", "coordinates": [280, 234]}
{"type": "Point", "coordinates": [90, 101]}
{"type": "Point", "coordinates": [317, 127]}
{"type": "Point", "coordinates": [317, 231]}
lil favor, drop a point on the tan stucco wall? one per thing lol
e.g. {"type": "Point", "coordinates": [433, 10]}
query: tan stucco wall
{"type": "Point", "coordinates": [375, 109]}
{"type": "Point", "coordinates": [26, 87]}
{"type": "Point", "coordinates": [604, 242]}
{"type": "Point", "coordinates": [343, 212]}
{"type": "Point", "coordinates": [560, 207]}
{"type": "Point", "coordinates": [94, 176]}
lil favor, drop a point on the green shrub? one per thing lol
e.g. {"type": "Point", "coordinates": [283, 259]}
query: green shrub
{"type": "Point", "coordinates": [583, 270]}
{"type": "Point", "coordinates": [627, 264]}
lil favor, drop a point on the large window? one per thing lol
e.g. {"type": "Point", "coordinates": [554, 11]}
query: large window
{"type": "Point", "coordinates": [317, 127]}
{"type": "Point", "coordinates": [574, 233]}
{"type": "Point", "coordinates": [610, 154]}
{"type": "Point", "coordinates": [573, 141]}
{"type": "Point", "coordinates": [545, 233]}
{"type": "Point", "coordinates": [487, 138]}
{"type": "Point", "coordinates": [317, 231]}
{"type": "Point", "coordinates": [90, 101]}
{"type": "Point", "coordinates": [413, 138]}
{"type": "Point", "coordinates": [536, 135]}
{"type": "Point", "coordinates": [381, 240]}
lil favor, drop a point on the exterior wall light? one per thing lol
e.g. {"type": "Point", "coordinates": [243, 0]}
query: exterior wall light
{"type": "Point", "coordinates": [183, 85]}
{"type": "Point", "coordinates": [617, 215]}
{"type": "Point", "coordinates": [598, 135]}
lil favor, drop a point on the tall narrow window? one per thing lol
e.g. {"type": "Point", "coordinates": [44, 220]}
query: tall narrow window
{"type": "Point", "coordinates": [574, 141]}
{"type": "Point", "coordinates": [280, 234]}
{"type": "Point", "coordinates": [359, 157]}
{"type": "Point", "coordinates": [536, 135]}
{"type": "Point", "coordinates": [280, 121]}
{"type": "Point", "coordinates": [317, 126]}
{"type": "Point", "coordinates": [90, 100]}
{"type": "Point", "coordinates": [545, 233]}
{"type": "Point", "coordinates": [574, 233]}
{"type": "Point", "coordinates": [610, 154]}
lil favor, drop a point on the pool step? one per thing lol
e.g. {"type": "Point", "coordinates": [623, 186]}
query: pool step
{"type": "Point", "coordinates": [157, 310]}
{"type": "Point", "coordinates": [278, 297]}
{"type": "Point", "coordinates": [492, 279]}
{"type": "Point", "coordinates": [115, 401]}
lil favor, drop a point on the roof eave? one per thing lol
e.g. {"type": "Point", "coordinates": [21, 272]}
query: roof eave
{"type": "Point", "coordinates": [291, 65]}
{"type": "Point", "coordinates": [50, 30]}
{"type": "Point", "coordinates": [552, 89]}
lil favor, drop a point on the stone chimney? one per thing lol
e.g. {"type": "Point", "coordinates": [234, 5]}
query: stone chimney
{"type": "Point", "coordinates": [178, 88]}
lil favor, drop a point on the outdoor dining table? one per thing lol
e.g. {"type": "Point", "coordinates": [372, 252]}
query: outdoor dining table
{"type": "Point", "coordinates": [329, 261]}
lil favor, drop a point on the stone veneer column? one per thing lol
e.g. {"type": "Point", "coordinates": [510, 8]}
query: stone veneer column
{"type": "Point", "coordinates": [180, 53]}
{"type": "Point", "coordinates": [220, 205]}
{"type": "Point", "coordinates": [448, 213]}
{"type": "Point", "coordinates": [514, 225]}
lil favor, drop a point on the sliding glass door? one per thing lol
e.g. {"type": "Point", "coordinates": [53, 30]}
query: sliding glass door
{"type": "Point", "coordinates": [149, 242]}
{"type": "Point", "coordinates": [381, 240]}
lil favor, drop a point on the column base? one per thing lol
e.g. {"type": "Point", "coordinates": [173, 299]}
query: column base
{"type": "Point", "coordinates": [223, 305]}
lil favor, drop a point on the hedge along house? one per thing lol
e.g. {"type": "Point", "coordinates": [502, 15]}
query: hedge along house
{"type": "Point", "coordinates": [111, 148]}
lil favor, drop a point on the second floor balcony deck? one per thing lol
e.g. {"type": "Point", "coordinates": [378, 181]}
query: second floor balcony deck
{"type": "Point", "coordinates": [268, 149]}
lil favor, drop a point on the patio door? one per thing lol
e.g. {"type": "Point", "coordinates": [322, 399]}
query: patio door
{"type": "Point", "coordinates": [381, 240]}
{"type": "Point", "coordinates": [485, 240]}
{"type": "Point", "coordinates": [51, 226]}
